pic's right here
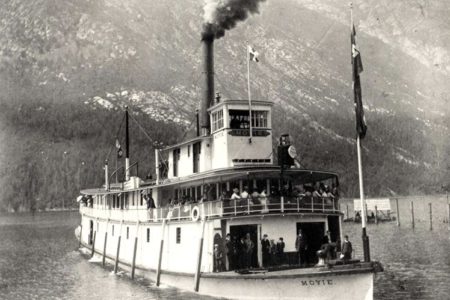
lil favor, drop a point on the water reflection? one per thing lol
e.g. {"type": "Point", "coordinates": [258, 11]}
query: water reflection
{"type": "Point", "coordinates": [39, 260]}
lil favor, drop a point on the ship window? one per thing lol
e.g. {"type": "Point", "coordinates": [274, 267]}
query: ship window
{"type": "Point", "coordinates": [112, 231]}
{"type": "Point", "coordinates": [196, 156]}
{"type": "Point", "coordinates": [176, 158]}
{"type": "Point", "coordinates": [217, 120]}
{"type": "Point", "coordinates": [148, 235]}
{"type": "Point", "coordinates": [259, 119]}
{"type": "Point", "coordinates": [239, 119]}
{"type": "Point", "coordinates": [128, 232]}
{"type": "Point", "coordinates": [178, 235]}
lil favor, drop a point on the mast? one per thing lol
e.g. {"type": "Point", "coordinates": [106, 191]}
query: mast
{"type": "Point", "coordinates": [249, 95]}
{"type": "Point", "coordinates": [127, 147]}
{"type": "Point", "coordinates": [365, 237]}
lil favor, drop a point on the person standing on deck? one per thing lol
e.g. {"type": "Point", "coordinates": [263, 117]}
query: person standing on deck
{"type": "Point", "coordinates": [346, 249]}
{"type": "Point", "coordinates": [240, 249]}
{"type": "Point", "coordinates": [249, 246]}
{"type": "Point", "coordinates": [301, 246]}
{"type": "Point", "coordinates": [265, 248]}
{"type": "Point", "coordinates": [231, 252]}
{"type": "Point", "coordinates": [280, 250]}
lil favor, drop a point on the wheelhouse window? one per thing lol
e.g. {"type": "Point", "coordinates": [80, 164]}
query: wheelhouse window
{"type": "Point", "coordinates": [259, 119]}
{"type": "Point", "coordinates": [176, 159]}
{"type": "Point", "coordinates": [217, 120]}
{"type": "Point", "coordinates": [239, 119]}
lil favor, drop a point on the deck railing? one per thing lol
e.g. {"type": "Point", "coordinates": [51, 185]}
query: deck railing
{"type": "Point", "coordinates": [219, 208]}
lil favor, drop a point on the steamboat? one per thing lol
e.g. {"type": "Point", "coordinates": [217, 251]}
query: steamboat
{"type": "Point", "coordinates": [213, 198]}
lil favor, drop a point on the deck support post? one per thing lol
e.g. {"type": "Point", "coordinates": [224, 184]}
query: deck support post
{"type": "Point", "coordinates": [412, 214]}
{"type": "Point", "coordinates": [199, 258]}
{"type": "Point", "coordinates": [161, 247]}
{"type": "Point", "coordinates": [376, 215]}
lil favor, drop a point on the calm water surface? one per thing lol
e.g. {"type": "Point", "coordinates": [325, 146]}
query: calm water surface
{"type": "Point", "coordinates": [39, 260]}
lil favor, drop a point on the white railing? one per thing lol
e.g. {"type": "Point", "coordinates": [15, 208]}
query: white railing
{"type": "Point", "coordinates": [220, 208]}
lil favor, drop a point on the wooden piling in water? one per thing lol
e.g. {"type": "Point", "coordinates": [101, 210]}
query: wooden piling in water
{"type": "Point", "coordinates": [448, 219]}
{"type": "Point", "coordinates": [93, 244]}
{"type": "Point", "coordinates": [81, 235]}
{"type": "Point", "coordinates": [161, 246]}
{"type": "Point", "coordinates": [412, 214]}
{"type": "Point", "coordinates": [133, 263]}
{"type": "Point", "coordinates": [116, 263]}
{"type": "Point", "coordinates": [199, 258]}
{"type": "Point", "coordinates": [104, 247]}
{"type": "Point", "coordinates": [431, 216]}
{"type": "Point", "coordinates": [376, 215]}
{"type": "Point", "coordinates": [398, 212]}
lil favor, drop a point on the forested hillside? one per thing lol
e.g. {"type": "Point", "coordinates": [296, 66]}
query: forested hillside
{"type": "Point", "coordinates": [67, 69]}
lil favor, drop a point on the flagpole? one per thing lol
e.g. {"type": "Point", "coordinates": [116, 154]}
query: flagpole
{"type": "Point", "coordinates": [365, 237]}
{"type": "Point", "coordinates": [249, 95]}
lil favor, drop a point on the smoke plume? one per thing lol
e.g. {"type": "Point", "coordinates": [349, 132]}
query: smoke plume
{"type": "Point", "coordinates": [222, 15]}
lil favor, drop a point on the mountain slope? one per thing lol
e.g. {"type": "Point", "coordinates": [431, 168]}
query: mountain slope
{"type": "Point", "coordinates": [100, 55]}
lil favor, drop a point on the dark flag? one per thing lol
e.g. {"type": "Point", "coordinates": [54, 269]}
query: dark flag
{"type": "Point", "coordinates": [119, 149]}
{"type": "Point", "coordinates": [361, 126]}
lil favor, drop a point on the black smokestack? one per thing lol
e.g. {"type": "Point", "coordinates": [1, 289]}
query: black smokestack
{"type": "Point", "coordinates": [208, 97]}
{"type": "Point", "coordinates": [225, 14]}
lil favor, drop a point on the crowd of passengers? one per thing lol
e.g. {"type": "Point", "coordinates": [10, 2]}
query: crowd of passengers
{"type": "Point", "coordinates": [255, 197]}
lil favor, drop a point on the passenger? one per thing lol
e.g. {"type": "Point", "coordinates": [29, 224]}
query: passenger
{"type": "Point", "coordinates": [230, 248]}
{"type": "Point", "coordinates": [235, 123]}
{"type": "Point", "coordinates": [301, 246]}
{"type": "Point", "coordinates": [273, 253]}
{"type": "Point", "coordinates": [245, 199]}
{"type": "Point", "coordinates": [346, 249]}
{"type": "Point", "coordinates": [334, 190]}
{"type": "Point", "coordinates": [326, 248]}
{"type": "Point", "coordinates": [263, 201]}
{"type": "Point", "coordinates": [265, 248]}
{"type": "Point", "coordinates": [235, 199]}
{"type": "Point", "coordinates": [218, 256]}
{"type": "Point", "coordinates": [255, 196]}
{"type": "Point", "coordinates": [249, 246]}
{"type": "Point", "coordinates": [241, 253]}
{"type": "Point", "coordinates": [280, 251]}
{"type": "Point", "coordinates": [235, 194]}
{"type": "Point", "coordinates": [245, 194]}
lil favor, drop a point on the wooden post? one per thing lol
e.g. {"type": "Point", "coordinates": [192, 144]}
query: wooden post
{"type": "Point", "coordinates": [448, 209]}
{"type": "Point", "coordinates": [158, 271]}
{"type": "Point", "coordinates": [398, 212]}
{"type": "Point", "coordinates": [199, 258]}
{"type": "Point", "coordinates": [133, 263]}
{"type": "Point", "coordinates": [116, 265]}
{"type": "Point", "coordinates": [346, 211]}
{"type": "Point", "coordinates": [376, 215]}
{"type": "Point", "coordinates": [93, 245]}
{"type": "Point", "coordinates": [365, 210]}
{"type": "Point", "coordinates": [412, 214]}
{"type": "Point", "coordinates": [104, 247]}
{"type": "Point", "coordinates": [81, 235]}
{"type": "Point", "coordinates": [431, 216]}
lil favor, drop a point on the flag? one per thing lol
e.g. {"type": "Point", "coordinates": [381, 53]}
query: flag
{"type": "Point", "coordinates": [253, 54]}
{"type": "Point", "coordinates": [119, 149]}
{"type": "Point", "coordinates": [361, 126]}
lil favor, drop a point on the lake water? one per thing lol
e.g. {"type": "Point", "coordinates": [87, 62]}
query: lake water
{"type": "Point", "coordinates": [39, 260]}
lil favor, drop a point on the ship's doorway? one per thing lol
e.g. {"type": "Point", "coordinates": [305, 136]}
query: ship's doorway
{"type": "Point", "coordinates": [239, 231]}
{"type": "Point", "coordinates": [314, 233]}
{"type": "Point", "coordinates": [91, 232]}
{"type": "Point", "coordinates": [333, 227]}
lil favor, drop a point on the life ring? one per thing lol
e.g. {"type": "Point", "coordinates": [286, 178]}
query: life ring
{"type": "Point", "coordinates": [195, 214]}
